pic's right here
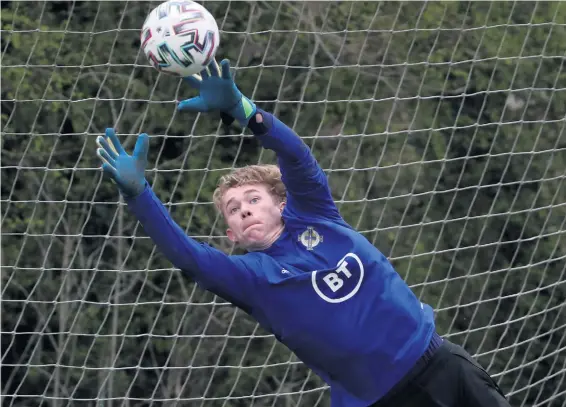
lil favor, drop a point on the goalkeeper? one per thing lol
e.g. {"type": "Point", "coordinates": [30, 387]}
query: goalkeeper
{"type": "Point", "coordinates": [307, 276]}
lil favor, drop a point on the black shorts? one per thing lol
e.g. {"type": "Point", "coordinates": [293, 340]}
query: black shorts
{"type": "Point", "coordinates": [449, 377]}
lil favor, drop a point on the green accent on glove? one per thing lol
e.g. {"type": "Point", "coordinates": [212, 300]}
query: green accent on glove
{"type": "Point", "coordinates": [249, 108]}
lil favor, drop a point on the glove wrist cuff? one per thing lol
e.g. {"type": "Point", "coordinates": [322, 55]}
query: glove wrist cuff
{"type": "Point", "coordinates": [243, 111]}
{"type": "Point", "coordinates": [133, 191]}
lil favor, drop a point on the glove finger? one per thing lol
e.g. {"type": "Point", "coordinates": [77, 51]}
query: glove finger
{"type": "Point", "coordinates": [195, 104]}
{"type": "Point", "coordinates": [142, 147]}
{"type": "Point", "coordinates": [204, 74]}
{"type": "Point", "coordinates": [213, 68]}
{"type": "Point", "coordinates": [194, 81]}
{"type": "Point", "coordinates": [102, 143]}
{"type": "Point", "coordinates": [110, 171]}
{"type": "Point", "coordinates": [225, 64]}
{"type": "Point", "coordinates": [105, 157]}
{"type": "Point", "coordinates": [111, 134]}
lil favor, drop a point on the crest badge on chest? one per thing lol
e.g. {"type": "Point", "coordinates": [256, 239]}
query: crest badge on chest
{"type": "Point", "coordinates": [310, 238]}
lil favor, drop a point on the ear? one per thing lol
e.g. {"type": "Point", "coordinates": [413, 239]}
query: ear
{"type": "Point", "coordinates": [282, 206]}
{"type": "Point", "coordinates": [231, 235]}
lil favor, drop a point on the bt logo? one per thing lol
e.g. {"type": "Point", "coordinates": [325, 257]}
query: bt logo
{"type": "Point", "coordinates": [342, 283]}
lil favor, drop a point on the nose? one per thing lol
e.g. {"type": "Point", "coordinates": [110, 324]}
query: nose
{"type": "Point", "coordinates": [245, 213]}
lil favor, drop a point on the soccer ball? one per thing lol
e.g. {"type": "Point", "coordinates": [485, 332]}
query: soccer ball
{"type": "Point", "coordinates": [180, 37]}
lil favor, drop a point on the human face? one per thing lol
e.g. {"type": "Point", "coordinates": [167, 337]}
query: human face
{"type": "Point", "coordinates": [253, 217]}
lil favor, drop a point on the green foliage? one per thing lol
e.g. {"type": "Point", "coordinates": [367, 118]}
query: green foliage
{"type": "Point", "coordinates": [440, 125]}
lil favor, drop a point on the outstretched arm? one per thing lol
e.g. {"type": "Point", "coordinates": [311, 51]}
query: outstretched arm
{"type": "Point", "coordinates": [227, 276]}
{"type": "Point", "coordinates": [306, 183]}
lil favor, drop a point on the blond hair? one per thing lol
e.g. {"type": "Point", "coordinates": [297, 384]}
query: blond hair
{"type": "Point", "coordinates": [266, 174]}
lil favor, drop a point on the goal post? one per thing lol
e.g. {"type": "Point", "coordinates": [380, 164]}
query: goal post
{"type": "Point", "coordinates": [440, 125]}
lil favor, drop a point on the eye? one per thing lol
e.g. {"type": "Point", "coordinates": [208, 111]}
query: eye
{"type": "Point", "coordinates": [233, 210]}
{"type": "Point", "coordinates": [254, 200]}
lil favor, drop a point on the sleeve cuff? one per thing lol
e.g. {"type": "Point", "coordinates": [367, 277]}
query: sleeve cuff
{"type": "Point", "coordinates": [131, 199]}
{"type": "Point", "coordinates": [260, 129]}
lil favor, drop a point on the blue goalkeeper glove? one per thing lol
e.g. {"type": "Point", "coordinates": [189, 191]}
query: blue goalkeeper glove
{"type": "Point", "coordinates": [125, 170]}
{"type": "Point", "coordinates": [218, 92]}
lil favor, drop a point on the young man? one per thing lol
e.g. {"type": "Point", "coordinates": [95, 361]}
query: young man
{"type": "Point", "coordinates": [308, 277]}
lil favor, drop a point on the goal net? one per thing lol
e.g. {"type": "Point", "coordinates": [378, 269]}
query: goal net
{"type": "Point", "coordinates": [440, 126]}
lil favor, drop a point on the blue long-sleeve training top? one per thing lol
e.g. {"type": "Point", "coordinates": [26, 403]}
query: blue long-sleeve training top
{"type": "Point", "coordinates": [322, 288]}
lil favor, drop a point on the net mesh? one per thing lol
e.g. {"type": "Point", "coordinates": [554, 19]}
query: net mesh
{"type": "Point", "coordinates": [440, 126]}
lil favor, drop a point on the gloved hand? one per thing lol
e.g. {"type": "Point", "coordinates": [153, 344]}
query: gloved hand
{"type": "Point", "coordinates": [125, 170]}
{"type": "Point", "coordinates": [218, 92]}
